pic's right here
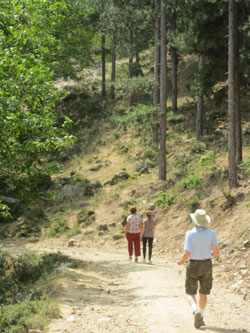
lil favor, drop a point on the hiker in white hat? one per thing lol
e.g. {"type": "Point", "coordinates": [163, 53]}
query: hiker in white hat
{"type": "Point", "coordinates": [200, 245]}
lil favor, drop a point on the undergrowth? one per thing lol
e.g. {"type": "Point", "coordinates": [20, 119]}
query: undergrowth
{"type": "Point", "coordinates": [24, 306]}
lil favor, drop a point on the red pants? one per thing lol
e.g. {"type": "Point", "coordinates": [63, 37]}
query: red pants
{"type": "Point", "coordinates": [134, 241]}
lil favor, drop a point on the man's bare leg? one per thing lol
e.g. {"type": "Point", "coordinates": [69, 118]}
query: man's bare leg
{"type": "Point", "coordinates": [198, 311]}
{"type": "Point", "coordinates": [202, 303]}
{"type": "Point", "coordinates": [193, 303]}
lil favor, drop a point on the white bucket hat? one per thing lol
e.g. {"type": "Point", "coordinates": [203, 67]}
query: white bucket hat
{"type": "Point", "coordinates": [200, 218]}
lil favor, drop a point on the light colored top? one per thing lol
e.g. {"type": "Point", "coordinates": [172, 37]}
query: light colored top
{"type": "Point", "coordinates": [199, 242]}
{"type": "Point", "coordinates": [148, 231]}
{"type": "Point", "coordinates": [134, 223]}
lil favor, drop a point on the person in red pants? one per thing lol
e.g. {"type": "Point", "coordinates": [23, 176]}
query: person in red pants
{"type": "Point", "coordinates": [133, 233]}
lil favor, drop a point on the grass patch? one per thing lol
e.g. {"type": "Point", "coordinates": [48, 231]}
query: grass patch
{"type": "Point", "coordinates": [73, 232]}
{"type": "Point", "coordinates": [23, 304]}
{"type": "Point", "coordinates": [28, 315]}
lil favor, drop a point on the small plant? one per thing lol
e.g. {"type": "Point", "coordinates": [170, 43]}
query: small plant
{"type": "Point", "coordinates": [115, 136]}
{"type": "Point", "coordinates": [246, 166]}
{"type": "Point", "coordinates": [58, 226]}
{"type": "Point", "coordinates": [138, 117]}
{"type": "Point", "coordinates": [193, 203]}
{"type": "Point", "coordinates": [73, 232]}
{"type": "Point", "coordinates": [207, 158]}
{"type": "Point", "coordinates": [174, 118]}
{"type": "Point", "coordinates": [4, 211]}
{"type": "Point", "coordinates": [230, 200]}
{"type": "Point", "coordinates": [193, 182]}
{"type": "Point", "coordinates": [164, 199]}
{"type": "Point", "coordinates": [125, 147]}
{"type": "Point", "coordinates": [28, 315]}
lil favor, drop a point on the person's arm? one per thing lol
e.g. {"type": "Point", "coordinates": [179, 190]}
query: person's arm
{"type": "Point", "coordinates": [127, 227]}
{"type": "Point", "coordinates": [142, 228]}
{"type": "Point", "coordinates": [184, 258]}
{"type": "Point", "coordinates": [215, 250]}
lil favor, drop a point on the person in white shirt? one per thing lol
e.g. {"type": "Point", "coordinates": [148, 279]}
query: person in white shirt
{"type": "Point", "coordinates": [200, 245]}
{"type": "Point", "coordinates": [133, 233]}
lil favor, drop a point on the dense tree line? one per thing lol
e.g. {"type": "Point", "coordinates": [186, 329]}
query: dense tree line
{"type": "Point", "coordinates": [43, 40]}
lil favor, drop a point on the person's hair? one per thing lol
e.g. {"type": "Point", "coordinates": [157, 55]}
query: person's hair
{"type": "Point", "coordinates": [133, 210]}
{"type": "Point", "coordinates": [149, 216]}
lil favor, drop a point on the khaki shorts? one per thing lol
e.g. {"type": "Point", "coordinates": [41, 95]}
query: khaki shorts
{"type": "Point", "coordinates": [199, 271]}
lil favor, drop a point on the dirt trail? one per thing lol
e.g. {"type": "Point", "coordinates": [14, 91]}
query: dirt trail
{"type": "Point", "coordinates": [111, 294]}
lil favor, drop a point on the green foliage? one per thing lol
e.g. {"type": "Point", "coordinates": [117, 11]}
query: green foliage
{"type": "Point", "coordinates": [17, 273]}
{"type": "Point", "coordinates": [73, 232]}
{"type": "Point", "coordinates": [29, 126]}
{"type": "Point", "coordinates": [245, 165]}
{"type": "Point", "coordinates": [28, 315]}
{"type": "Point", "coordinates": [58, 226]}
{"type": "Point", "coordinates": [193, 181]}
{"type": "Point", "coordinates": [165, 199]}
{"type": "Point", "coordinates": [4, 211]}
{"type": "Point", "coordinates": [138, 117]}
{"type": "Point", "coordinates": [174, 118]}
{"type": "Point", "coordinates": [207, 158]}
{"type": "Point", "coordinates": [140, 88]}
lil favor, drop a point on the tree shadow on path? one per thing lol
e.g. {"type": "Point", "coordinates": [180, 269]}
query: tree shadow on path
{"type": "Point", "coordinates": [224, 330]}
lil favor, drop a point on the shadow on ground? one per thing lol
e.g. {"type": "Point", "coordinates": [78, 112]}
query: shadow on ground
{"type": "Point", "coordinates": [224, 330]}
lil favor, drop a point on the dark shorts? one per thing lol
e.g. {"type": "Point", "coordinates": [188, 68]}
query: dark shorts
{"type": "Point", "coordinates": [199, 272]}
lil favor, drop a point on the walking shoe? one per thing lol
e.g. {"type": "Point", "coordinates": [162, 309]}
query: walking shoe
{"type": "Point", "coordinates": [143, 260]}
{"type": "Point", "coordinates": [198, 321]}
{"type": "Point", "coordinates": [129, 258]}
{"type": "Point", "coordinates": [202, 322]}
{"type": "Point", "coordinates": [136, 259]}
{"type": "Point", "coordinates": [150, 262]}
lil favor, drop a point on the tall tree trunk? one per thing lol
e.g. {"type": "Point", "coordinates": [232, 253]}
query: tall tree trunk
{"type": "Point", "coordinates": [231, 97]}
{"type": "Point", "coordinates": [112, 88]}
{"type": "Point", "coordinates": [103, 66]}
{"type": "Point", "coordinates": [237, 93]}
{"type": "Point", "coordinates": [156, 92]}
{"type": "Point", "coordinates": [199, 114]}
{"type": "Point", "coordinates": [130, 65]}
{"type": "Point", "coordinates": [174, 62]}
{"type": "Point", "coordinates": [163, 96]}
{"type": "Point", "coordinates": [138, 70]}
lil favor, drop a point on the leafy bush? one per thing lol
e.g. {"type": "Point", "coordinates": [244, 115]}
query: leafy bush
{"type": "Point", "coordinates": [164, 199]}
{"type": "Point", "coordinates": [193, 182]}
{"type": "Point", "coordinates": [174, 118]}
{"type": "Point", "coordinates": [207, 158]}
{"type": "Point", "coordinates": [4, 211]}
{"type": "Point", "coordinates": [140, 88]}
{"type": "Point", "coordinates": [30, 314]}
{"type": "Point", "coordinates": [58, 226]}
{"type": "Point", "coordinates": [138, 117]}
{"type": "Point", "coordinates": [16, 273]}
